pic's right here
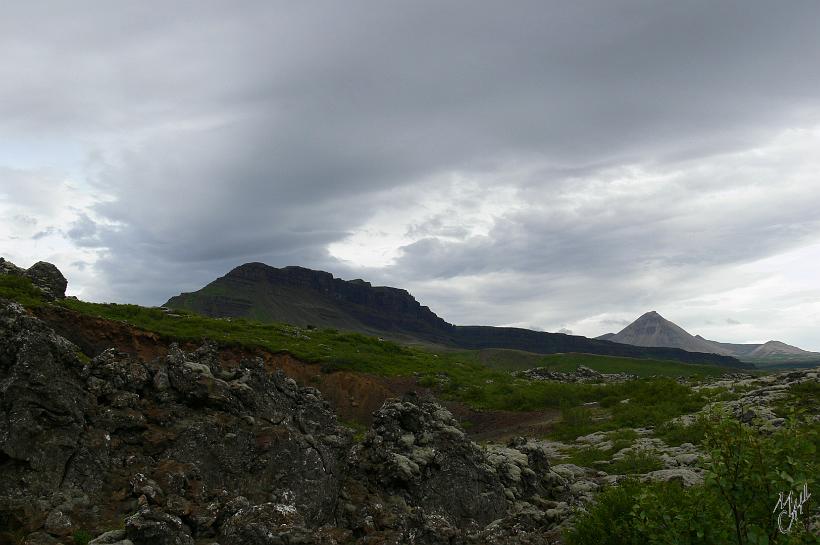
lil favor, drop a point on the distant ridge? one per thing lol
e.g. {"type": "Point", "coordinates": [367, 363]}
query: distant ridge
{"type": "Point", "coordinates": [307, 297]}
{"type": "Point", "coordinates": [653, 330]}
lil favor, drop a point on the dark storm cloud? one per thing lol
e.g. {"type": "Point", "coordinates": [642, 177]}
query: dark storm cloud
{"type": "Point", "coordinates": [265, 131]}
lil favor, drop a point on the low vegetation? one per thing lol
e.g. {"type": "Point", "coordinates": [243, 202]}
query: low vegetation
{"type": "Point", "coordinates": [746, 470]}
{"type": "Point", "coordinates": [467, 376]}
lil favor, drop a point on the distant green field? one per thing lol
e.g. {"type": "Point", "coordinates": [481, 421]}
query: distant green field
{"type": "Point", "coordinates": [640, 367]}
{"type": "Point", "coordinates": [777, 363]}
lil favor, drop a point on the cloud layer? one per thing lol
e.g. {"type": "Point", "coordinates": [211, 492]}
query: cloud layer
{"type": "Point", "coordinates": [554, 165]}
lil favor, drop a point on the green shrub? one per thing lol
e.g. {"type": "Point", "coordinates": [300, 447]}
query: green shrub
{"type": "Point", "coordinates": [747, 469]}
{"type": "Point", "coordinates": [636, 461]}
{"type": "Point", "coordinates": [587, 457]}
{"type": "Point", "coordinates": [82, 537]}
{"type": "Point", "coordinates": [674, 433]}
{"type": "Point", "coordinates": [609, 520]}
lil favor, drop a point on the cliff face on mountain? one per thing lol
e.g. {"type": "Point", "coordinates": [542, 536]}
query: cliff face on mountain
{"type": "Point", "coordinates": [306, 297]}
{"type": "Point", "coordinates": [303, 297]}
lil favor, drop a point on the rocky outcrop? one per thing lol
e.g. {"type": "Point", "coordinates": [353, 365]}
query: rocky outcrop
{"type": "Point", "coordinates": [188, 447]}
{"type": "Point", "coordinates": [581, 374]}
{"type": "Point", "coordinates": [416, 478]}
{"type": "Point", "coordinates": [85, 442]}
{"type": "Point", "coordinates": [44, 275]}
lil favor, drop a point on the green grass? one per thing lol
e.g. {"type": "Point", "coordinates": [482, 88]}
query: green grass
{"type": "Point", "coordinates": [651, 402]}
{"type": "Point", "coordinates": [674, 434]}
{"type": "Point", "coordinates": [635, 462]}
{"type": "Point", "coordinates": [803, 398]}
{"type": "Point", "coordinates": [21, 290]}
{"type": "Point", "coordinates": [82, 537]}
{"type": "Point", "coordinates": [747, 468]}
{"type": "Point", "coordinates": [458, 375]}
{"type": "Point", "coordinates": [635, 366]}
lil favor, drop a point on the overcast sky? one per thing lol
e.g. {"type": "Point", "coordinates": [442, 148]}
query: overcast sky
{"type": "Point", "coordinates": [554, 165]}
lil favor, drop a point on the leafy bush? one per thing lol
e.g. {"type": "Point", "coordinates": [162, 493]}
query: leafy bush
{"type": "Point", "coordinates": [674, 433]}
{"type": "Point", "coordinates": [747, 469]}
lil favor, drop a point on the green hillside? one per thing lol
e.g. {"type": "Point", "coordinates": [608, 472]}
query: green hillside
{"type": "Point", "coordinates": [478, 378]}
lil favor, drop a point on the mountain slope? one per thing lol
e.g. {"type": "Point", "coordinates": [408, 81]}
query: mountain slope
{"type": "Point", "coordinates": [652, 329]}
{"type": "Point", "coordinates": [304, 297]}
{"type": "Point", "coordinates": [777, 348]}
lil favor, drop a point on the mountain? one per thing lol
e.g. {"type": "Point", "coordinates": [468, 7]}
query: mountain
{"type": "Point", "coordinates": [652, 329]}
{"type": "Point", "coordinates": [306, 297]}
{"type": "Point", "coordinates": [777, 348]}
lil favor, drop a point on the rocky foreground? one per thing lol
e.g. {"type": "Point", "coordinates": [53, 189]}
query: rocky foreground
{"type": "Point", "coordinates": [193, 448]}
{"type": "Point", "coordinates": [187, 449]}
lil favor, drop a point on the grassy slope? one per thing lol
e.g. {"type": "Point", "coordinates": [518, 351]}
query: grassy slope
{"type": "Point", "coordinates": [515, 360]}
{"type": "Point", "coordinates": [472, 377]}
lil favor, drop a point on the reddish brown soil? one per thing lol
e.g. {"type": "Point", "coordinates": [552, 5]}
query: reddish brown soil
{"type": "Point", "coordinates": [354, 396]}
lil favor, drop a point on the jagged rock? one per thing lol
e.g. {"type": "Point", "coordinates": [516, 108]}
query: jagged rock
{"type": "Point", "coordinates": [581, 374]}
{"type": "Point", "coordinates": [114, 537]}
{"type": "Point", "coordinates": [42, 407]}
{"type": "Point", "coordinates": [103, 431]}
{"type": "Point", "coordinates": [40, 538]}
{"type": "Point", "coordinates": [44, 275]}
{"type": "Point", "coordinates": [48, 278]}
{"type": "Point", "coordinates": [151, 526]}
{"type": "Point", "coordinates": [417, 450]}
{"type": "Point", "coordinates": [7, 267]}
{"type": "Point", "coordinates": [266, 524]}
{"type": "Point", "coordinates": [685, 476]}
{"type": "Point", "coordinates": [58, 523]}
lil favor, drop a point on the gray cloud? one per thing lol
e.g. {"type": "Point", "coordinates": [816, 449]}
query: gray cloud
{"type": "Point", "coordinates": [221, 134]}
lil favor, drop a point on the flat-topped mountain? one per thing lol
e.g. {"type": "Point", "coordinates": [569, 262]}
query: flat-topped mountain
{"type": "Point", "coordinates": [307, 297]}
{"type": "Point", "coordinates": [652, 329]}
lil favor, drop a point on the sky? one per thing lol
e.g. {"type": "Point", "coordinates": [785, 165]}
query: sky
{"type": "Point", "coordinates": [562, 166]}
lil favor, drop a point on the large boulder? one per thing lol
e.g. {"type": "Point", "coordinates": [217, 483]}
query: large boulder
{"type": "Point", "coordinates": [417, 478]}
{"type": "Point", "coordinates": [417, 450]}
{"type": "Point", "coordinates": [44, 275]}
{"type": "Point", "coordinates": [48, 278]}
{"type": "Point", "coordinates": [151, 526]}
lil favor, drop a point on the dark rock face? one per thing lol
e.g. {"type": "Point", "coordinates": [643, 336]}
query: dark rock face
{"type": "Point", "coordinates": [417, 479]}
{"type": "Point", "coordinates": [301, 296]}
{"type": "Point", "coordinates": [98, 439]}
{"type": "Point", "coordinates": [581, 374]}
{"type": "Point", "coordinates": [189, 448]}
{"type": "Point", "coordinates": [44, 275]}
{"type": "Point", "coordinates": [152, 526]}
{"type": "Point", "coordinates": [48, 278]}
{"type": "Point", "coordinates": [417, 450]}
